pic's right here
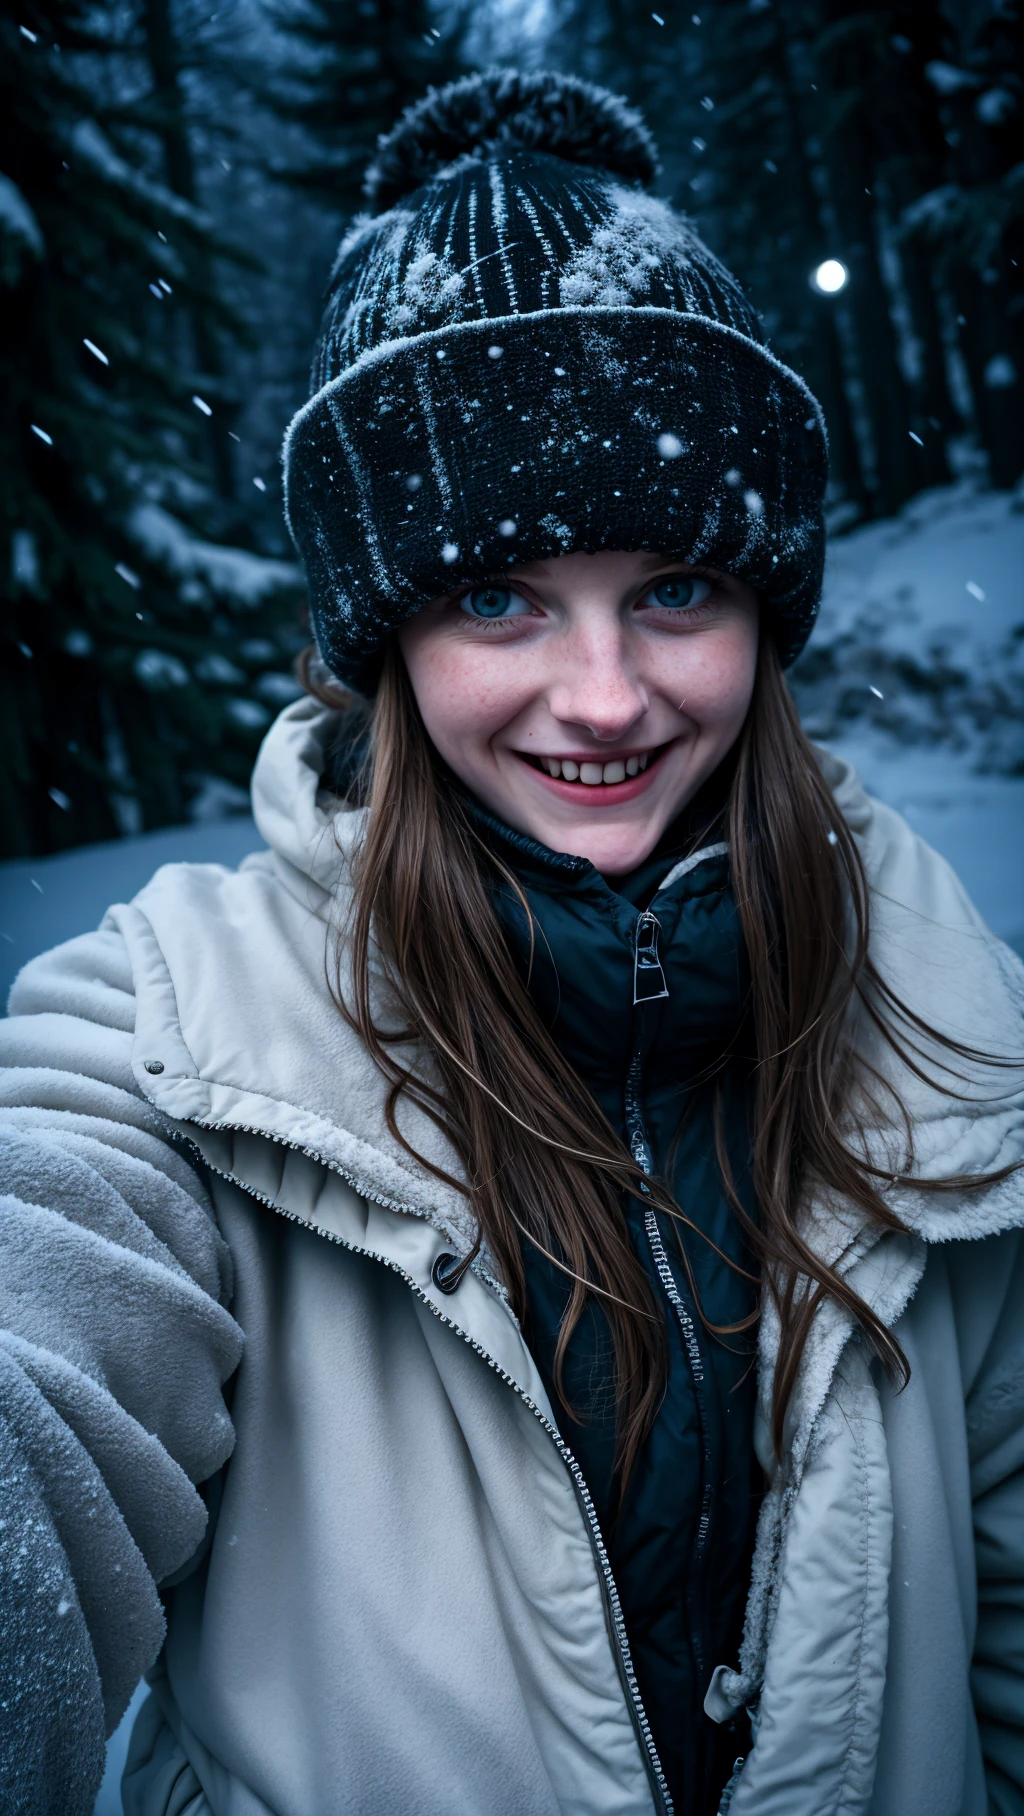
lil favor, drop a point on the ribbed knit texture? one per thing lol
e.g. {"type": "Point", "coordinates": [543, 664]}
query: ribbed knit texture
{"type": "Point", "coordinates": [528, 356]}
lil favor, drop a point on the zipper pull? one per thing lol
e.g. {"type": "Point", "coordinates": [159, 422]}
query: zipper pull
{"type": "Point", "coordinates": [648, 977]}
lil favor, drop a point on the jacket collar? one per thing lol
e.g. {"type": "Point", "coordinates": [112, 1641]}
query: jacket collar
{"type": "Point", "coordinates": [576, 954]}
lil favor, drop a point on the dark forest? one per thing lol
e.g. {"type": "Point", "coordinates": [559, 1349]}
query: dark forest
{"type": "Point", "coordinates": [174, 183]}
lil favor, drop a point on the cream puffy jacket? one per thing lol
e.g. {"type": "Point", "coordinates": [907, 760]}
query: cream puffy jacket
{"type": "Point", "coordinates": [394, 1597]}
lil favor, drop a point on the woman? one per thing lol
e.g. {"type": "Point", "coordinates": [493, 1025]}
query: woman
{"type": "Point", "coordinates": [571, 1173]}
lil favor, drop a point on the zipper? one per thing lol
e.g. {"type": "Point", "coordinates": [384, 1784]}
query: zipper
{"type": "Point", "coordinates": [609, 1592]}
{"type": "Point", "coordinates": [696, 1361]}
{"type": "Point", "coordinates": [646, 941]}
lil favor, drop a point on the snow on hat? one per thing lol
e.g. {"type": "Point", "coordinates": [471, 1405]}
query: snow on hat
{"type": "Point", "coordinates": [524, 354]}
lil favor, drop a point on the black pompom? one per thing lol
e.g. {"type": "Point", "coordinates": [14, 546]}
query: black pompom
{"type": "Point", "coordinates": [501, 109]}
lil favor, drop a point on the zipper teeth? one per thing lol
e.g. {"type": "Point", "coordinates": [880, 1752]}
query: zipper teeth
{"type": "Point", "coordinates": [611, 1593]}
{"type": "Point", "coordinates": [641, 1150]}
{"type": "Point", "coordinates": [693, 1350]}
{"type": "Point", "coordinates": [672, 1292]}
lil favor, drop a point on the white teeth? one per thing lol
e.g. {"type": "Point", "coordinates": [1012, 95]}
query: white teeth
{"type": "Point", "coordinates": [564, 769]}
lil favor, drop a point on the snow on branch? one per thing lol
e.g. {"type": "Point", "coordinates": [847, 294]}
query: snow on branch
{"type": "Point", "coordinates": [232, 575]}
{"type": "Point", "coordinates": [19, 232]}
{"type": "Point", "coordinates": [95, 149]}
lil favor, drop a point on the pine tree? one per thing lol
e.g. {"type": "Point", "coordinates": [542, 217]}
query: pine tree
{"type": "Point", "coordinates": [843, 64]}
{"type": "Point", "coordinates": [908, 153]}
{"type": "Point", "coordinates": [131, 643]}
{"type": "Point", "coordinates": [883, 135]}
{"type": "Point", "coordinates": [758, 202]}
{"type": "Point", "coordinates": [356, 65]}
{"type": "Point", "coordinates": [969, 224]}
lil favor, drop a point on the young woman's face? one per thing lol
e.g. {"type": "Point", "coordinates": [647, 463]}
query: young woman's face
{"type": "Point", "coordinates": [584, 700]}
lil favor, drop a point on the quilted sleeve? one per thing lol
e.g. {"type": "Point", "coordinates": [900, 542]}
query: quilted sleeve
{"type": "Point", "coordinates": [995, 1431]}
{"type": "Point", "coordinates": [115, 1344]}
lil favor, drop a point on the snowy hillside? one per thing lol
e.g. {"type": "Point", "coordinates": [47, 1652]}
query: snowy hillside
{"type": "Point", "coordinates": [916, 673]}
{"type": "Point", "coordinates": [921, 633]}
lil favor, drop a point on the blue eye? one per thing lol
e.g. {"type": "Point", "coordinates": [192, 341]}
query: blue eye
{"type": "Point", "coordinates": [493, 602]}
{"type": "Point", "coordinates": [679, 592]}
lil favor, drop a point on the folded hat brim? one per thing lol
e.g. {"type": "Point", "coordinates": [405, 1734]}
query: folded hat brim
{"type": "Point", "coordinates": [457, 453]}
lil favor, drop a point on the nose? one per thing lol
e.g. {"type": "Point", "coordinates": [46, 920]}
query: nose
{"type": "Point", "coordinates": [597, 687]}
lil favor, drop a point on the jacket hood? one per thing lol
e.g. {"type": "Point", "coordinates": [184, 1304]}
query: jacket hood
{"type": "Point", "coordinates": [306, 828]}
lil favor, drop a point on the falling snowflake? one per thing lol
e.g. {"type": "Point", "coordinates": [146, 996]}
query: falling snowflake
{"type": "Point", "coordinates": [449, 552]}
{"type": "Point", "coordinates": [976, 591]}
{"type": "Point", "coordinates": [128, 575]}
{"type": "Point", "coordinates": [201, 404]}
{"type": "Point", "coordinates": [754, 503]}
{"type": "Point", "coordinates": [507, 527]}
{"type": "Point", "coordinates": [96, 353]}
{"type": "Point", "coordinates": [669, 446]}
{"type": "Point", "coordinates": [495, 352]}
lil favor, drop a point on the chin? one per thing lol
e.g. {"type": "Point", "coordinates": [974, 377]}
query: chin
{"type": "Point", "coordinates": [613, 852]}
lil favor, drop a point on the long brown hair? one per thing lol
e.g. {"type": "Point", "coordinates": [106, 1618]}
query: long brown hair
{"type": "Point", "coordinates": [540, 1159]}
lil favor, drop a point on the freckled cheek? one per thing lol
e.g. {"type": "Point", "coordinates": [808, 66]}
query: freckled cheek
{"type": "Point", "coordinates": [465, 698]}
{"type": "Point", "coordinates": [715, 683]}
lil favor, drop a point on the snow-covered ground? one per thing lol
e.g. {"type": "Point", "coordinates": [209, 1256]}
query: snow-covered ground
{"type": "Point", "coordinates": [920, 640]}
{"type": "Point", "coordinates": [46, 900]}
{"type": "Point", "coordinates": [916, 672]}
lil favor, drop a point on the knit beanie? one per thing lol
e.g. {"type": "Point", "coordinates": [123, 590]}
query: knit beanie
{"type": "Point", "coordinates": [523, 354]}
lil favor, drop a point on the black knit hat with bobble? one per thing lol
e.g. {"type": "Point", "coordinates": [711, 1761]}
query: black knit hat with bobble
{"type": "Point", "coordinates": [524, 353]}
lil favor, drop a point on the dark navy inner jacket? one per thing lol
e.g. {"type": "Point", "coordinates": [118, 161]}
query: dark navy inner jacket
{"type": "Point", "coordinates": [680, 1541]}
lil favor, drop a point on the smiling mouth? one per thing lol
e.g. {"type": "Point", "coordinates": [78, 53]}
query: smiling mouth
{"type": "Point", "coordinates": [591, 774]}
